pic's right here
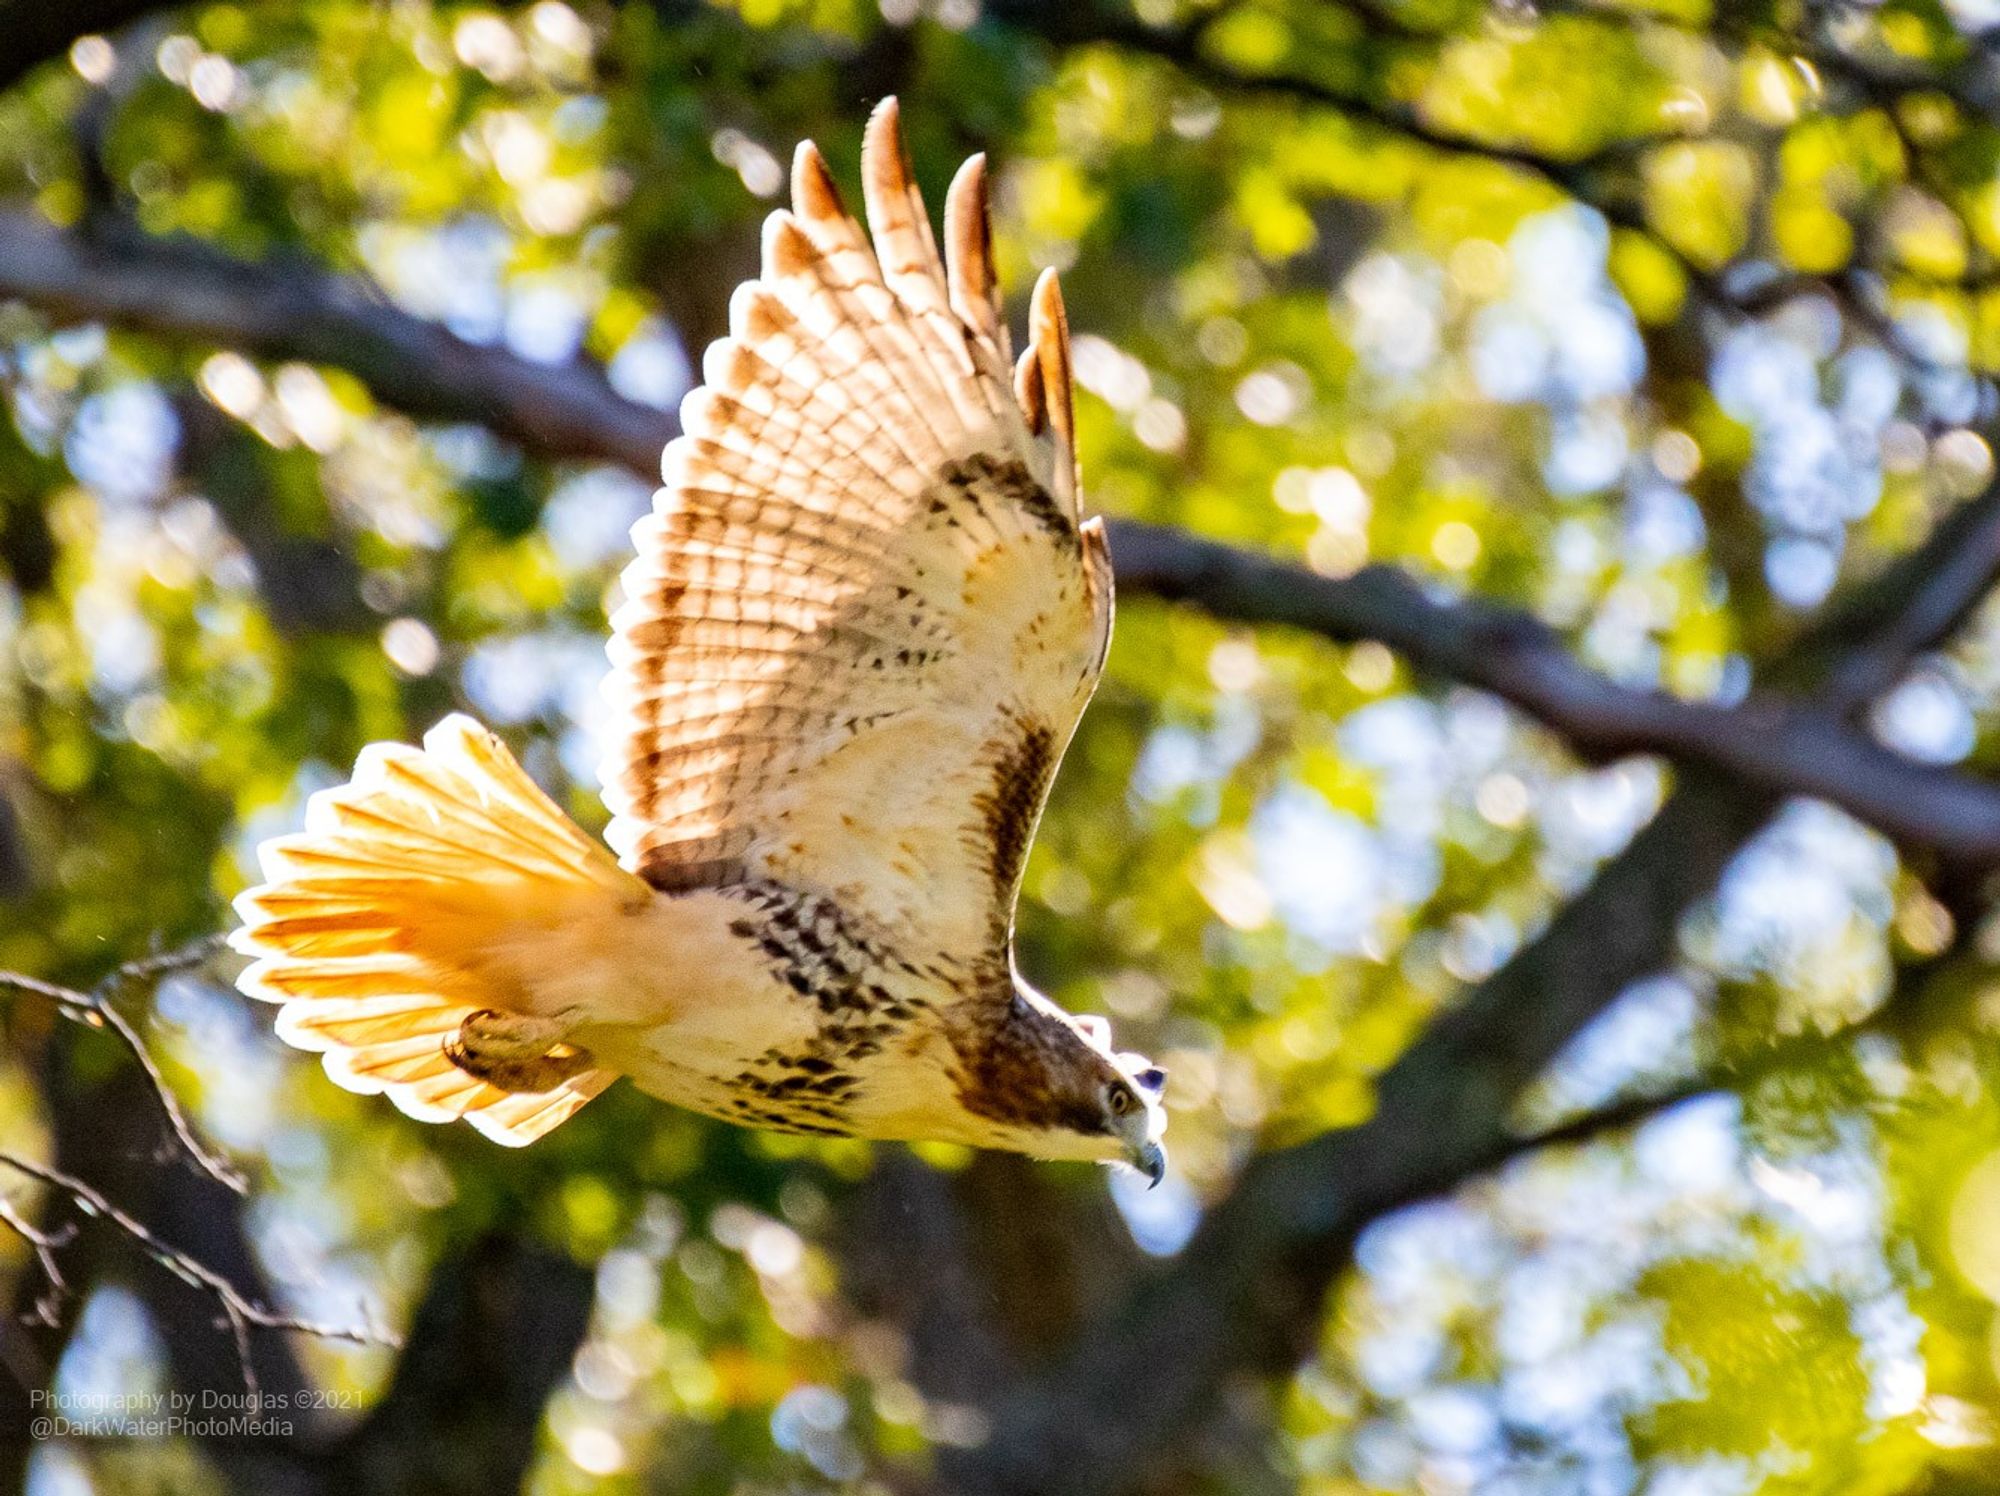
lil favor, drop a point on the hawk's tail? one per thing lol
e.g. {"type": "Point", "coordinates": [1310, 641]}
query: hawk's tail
{"type": "Point", "coordinates": [371, 926]}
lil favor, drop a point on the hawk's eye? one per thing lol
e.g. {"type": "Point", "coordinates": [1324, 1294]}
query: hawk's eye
{"type": "Point", "coordinates": [1119, 1100]}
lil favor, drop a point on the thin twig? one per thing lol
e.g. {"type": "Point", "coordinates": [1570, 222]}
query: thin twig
{"type": "Point", "coordinates": [240, 1315]}
{"type": "Point", "coordinates": [45, 1244]}
{"type": "Point", "coordinates": [167, 963]}
{"type": "Point", "coordinates": [95, 1009]}
{"type": "Point", "coordinates": [1628, 1112]}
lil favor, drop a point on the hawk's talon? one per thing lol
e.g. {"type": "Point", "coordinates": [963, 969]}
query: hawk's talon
{"type": "Point", "coordinates": [516, 1053]}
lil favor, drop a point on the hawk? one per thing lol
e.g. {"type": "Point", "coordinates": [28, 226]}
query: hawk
{"type": "Point", "coordinates": [863, 620]}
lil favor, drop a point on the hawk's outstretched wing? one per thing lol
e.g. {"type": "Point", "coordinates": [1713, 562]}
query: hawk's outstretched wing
{"type": "Point", "coordinates": [865, 616]}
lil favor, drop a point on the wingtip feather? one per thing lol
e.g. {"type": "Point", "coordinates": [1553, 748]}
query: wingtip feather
{"type": "Point", "coordinates": [885, 165]}
{"type": "Point", "coordinates": [787, 249]}
{"type": "Point", "coordinates": [896, 216]}
{"type": "Point", "coordinates": [1029, 391]}
{"type": "Point", "coordinates": [1048, 338]}
{"type": "Point", "coordinates": [885, 125]}
{"type": "Point", "coordinates": [815, 195]}
{"type": "Point", "coordinates": [974, 287]}
{"type": "Point", "coordinates": [1048, 324]}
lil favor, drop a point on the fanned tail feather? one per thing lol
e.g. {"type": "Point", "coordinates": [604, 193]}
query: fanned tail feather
{"type": "Point", "coordinates": [370, 924]}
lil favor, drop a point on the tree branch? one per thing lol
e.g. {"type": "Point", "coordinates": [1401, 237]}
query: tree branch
{"type": "Point", "coordinates": [1245, 1296]}
{"type": "Point", "coordinates": [241, 1313]}
{"type": "Point", "coordinates": [45, 1245]}
{"type": "Point", "coordinates": [495, 1335]}
{"type": "Point", "coordinates": [288, 308]}
{"type": "Point", "coordinates": [1777, 745]}
{"type": "Point", "coordinates": [1601, 179]}
{"type": "Point", "coordinates": [186, 289]}
{"type": "Point", "coordinates": [210, 1290]}
{"type": "Point", "coordinates": [94, 1009]}
{"type": "Point", "coordinates": [1073, 23]}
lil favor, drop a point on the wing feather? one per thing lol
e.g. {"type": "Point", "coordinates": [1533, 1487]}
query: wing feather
{"type": "Point", "coordinates": [974, 288]}
{"type": "Point", "coordinates": [863, 618]}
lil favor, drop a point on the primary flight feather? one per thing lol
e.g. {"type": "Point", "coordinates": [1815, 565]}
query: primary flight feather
{"type": "Point", "coordinates": [863, 620]}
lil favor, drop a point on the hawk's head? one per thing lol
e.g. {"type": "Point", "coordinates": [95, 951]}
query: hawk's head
{"type": "Point", "coordinates": [1048, 1083]}
{"type": "Point", "coordinates": [1129, 1092]}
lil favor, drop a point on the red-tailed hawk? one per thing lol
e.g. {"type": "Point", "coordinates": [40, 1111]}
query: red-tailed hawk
{"type": "Point", "coordinates": [864, 618]}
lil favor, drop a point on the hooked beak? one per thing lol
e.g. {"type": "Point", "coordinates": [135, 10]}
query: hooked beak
{"type": "Point", "coordinates": [1150, 1159]}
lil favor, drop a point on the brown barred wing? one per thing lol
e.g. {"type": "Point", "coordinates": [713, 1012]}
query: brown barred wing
{"type": "Point", "coordinates": [864, 617]}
